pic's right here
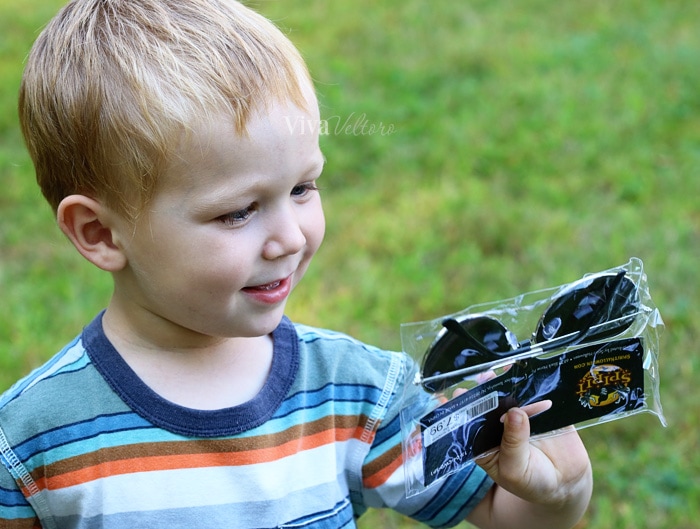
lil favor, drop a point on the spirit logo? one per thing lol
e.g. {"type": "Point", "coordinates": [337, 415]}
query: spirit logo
{"type": "Point", "coordinates": [604, 385]}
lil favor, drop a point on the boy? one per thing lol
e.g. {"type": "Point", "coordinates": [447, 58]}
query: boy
{"type": "Point", "coordinates": [159, 132]}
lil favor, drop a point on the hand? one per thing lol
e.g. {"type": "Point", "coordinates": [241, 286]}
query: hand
{"type": "Point", "coordinates": [553, 475]}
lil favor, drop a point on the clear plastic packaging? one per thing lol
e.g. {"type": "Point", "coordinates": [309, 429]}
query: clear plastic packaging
{"type": "Point", "coordinates": [589, 347]}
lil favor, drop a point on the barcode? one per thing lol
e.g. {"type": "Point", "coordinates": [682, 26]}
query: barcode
{"type": "Point", "coordinates": [459, 418]}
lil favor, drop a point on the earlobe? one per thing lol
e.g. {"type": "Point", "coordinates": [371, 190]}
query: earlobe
{"type": "Point", "coordinates": [85, 222]}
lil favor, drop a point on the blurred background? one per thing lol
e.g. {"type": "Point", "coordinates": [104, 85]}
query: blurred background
{"type": "Point", "coordinates": [476, 150]}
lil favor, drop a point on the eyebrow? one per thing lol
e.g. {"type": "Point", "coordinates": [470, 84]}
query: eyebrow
{"type": "Point", "coordinates": [316, 167]}
{"type": "Point", "coordinates": [222, 195]}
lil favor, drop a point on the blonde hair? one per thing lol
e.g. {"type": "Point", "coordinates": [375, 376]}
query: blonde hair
{"type": "Point", "coordinates": [110, 86]}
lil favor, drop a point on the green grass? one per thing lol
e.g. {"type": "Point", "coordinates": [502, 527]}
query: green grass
{"type": "Point", "coordinates": [534, 141]}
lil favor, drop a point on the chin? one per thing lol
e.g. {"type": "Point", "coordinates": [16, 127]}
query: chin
{"type": "Point", "coordinates": [261, 326]}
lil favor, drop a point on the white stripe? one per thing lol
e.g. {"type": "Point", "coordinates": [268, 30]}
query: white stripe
{"type": "Point", "coordinates": [169, 489]}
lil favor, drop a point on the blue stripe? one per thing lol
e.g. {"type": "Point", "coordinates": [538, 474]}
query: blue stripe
{"type": "Point", "coordinates": [68, 441]}
{"type": "Point", "coordinates": [16, 513]}
{"type": "Point", "coordinates": [388, 431]}
{"type": "Point", "coordinates": [14, 506]}
{"type": "Point", "coordinates": [107, 440]}
{"type": "Point", "coordinates": [383, 446]}
{"type": "Point", "coordinates": [354, 393]}
{"type": "Point", "coordinates": [337, 517]}
{"type": "Point", "coordinates": [21, 385]}
{"type": "Point", "coordinates": [325, 409]}
{"type": "Point", "coordinates": [308, 335]}
{"type": "Point", "coordinates": [79, 431]}
{"type": "Point", "coordinates": [447, 507]}
{"type": "Point", "coordinates": [12, 498]}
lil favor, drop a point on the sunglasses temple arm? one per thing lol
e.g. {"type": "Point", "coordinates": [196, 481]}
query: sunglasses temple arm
{"type": "Point", "coordinates": [480, 368]}
{"type": "Point", "coordinates": [522, 353]}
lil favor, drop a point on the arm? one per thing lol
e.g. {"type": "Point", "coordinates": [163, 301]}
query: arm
{"type": "Point", "coordinates": [544, 484]}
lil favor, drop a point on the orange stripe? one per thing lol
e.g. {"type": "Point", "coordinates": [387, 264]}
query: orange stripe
{"type": "Point", "coordinates": [183, 461]}
{"type": "Point", "coordinates": [380, 477]}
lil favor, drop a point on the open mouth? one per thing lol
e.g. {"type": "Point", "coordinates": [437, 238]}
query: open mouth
{"type": "Point", "coordinates": [264, 288]}
{"type": "Point", "coordinates": [270, 293]}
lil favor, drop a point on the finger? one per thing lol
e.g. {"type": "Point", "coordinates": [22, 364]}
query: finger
{"type": "Point", "coordinates": [534, 408]}
{"type": "Point", "coordinates": [485, 376]}
{"type": "Point", "coordinates": [515, 444]}
{"type": "Point", "coordinates": [537, 407]}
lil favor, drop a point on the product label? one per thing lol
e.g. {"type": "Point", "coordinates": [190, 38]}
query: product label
{"type": "Point", "coordinates": [459, 418]}
{"type": "Point", "coordinates": [584, 385]}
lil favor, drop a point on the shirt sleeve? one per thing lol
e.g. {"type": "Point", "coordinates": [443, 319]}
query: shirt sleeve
{"type": "Point", "coordinates": [15, 510]}
{"type": "Point", "coordinates": [445, 504]}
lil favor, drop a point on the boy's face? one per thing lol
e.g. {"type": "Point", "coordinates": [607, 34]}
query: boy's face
{"type": "Point", "coordinates": [230, 232]}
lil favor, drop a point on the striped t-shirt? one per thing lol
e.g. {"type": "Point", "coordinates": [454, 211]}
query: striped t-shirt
{"type": "Point", "coordinates": [84, 443]}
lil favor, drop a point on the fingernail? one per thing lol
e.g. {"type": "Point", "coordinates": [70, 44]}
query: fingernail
{"type": "Point", "coordinates": [515, 418]}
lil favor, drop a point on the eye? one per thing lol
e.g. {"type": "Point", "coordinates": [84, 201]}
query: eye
{"type": "Point", "coordinates": [236, 218]}
{"type": "Point", "coordinates": [304, 189]}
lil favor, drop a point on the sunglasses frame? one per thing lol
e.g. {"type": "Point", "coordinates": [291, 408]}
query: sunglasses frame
{"type": "Point", "coordinates": [531, 348]}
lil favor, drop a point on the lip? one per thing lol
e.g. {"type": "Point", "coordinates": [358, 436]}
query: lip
{"type": "Point", "coordinates": [270, 293]}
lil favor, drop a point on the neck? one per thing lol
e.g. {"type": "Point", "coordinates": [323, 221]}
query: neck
{"type": "Point", "coordinates": [191, 370]}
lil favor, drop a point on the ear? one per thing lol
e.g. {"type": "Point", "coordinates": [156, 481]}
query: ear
{"type": "Point", "coordinates": [90, 227]}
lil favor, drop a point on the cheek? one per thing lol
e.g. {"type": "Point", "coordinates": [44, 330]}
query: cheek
{"type": "Point", "coordinates": [316, 230]}
{"type": "Point", "coordinates": [202, 257]}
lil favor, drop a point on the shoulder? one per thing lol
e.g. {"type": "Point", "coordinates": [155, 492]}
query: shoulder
{"type": "Point", "coordinates": [343, 358]}
{"type": "Point", "coordinates": [342, 368]}
{"type": "Point", "coordinates": [333, 340]}
{"type": "Point", "coordinates": [41, 385]}
{"type": "Point", "coordinates": [66, 389]}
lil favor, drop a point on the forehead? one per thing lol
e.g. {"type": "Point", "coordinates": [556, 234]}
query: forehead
{"type": "Point", "coordinates": [280, 141]}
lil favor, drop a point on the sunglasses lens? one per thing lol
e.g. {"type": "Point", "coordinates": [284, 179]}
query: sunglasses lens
{"type": "Point", "coordinates": [586, 307]}
{"type": "Point", "coordinates": [484, 339]}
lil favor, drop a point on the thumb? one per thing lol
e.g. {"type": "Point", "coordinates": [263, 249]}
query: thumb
{"type": "Point", "coordinates": [515, 444]}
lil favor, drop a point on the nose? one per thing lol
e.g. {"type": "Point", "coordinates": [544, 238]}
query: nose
{"type": "Point", "coordinates": [285, 235]}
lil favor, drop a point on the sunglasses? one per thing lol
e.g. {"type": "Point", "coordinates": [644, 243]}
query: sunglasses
{"type": "Point", "coordinates": [591, 309]}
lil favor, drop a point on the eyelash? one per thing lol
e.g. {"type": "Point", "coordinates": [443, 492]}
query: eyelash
{"type": "Point", "coordinates": [236, 217]}
{"type": "Point", "coordinates": [303, 189]}
{"type": "Point", "coordinates": [242, 215]}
